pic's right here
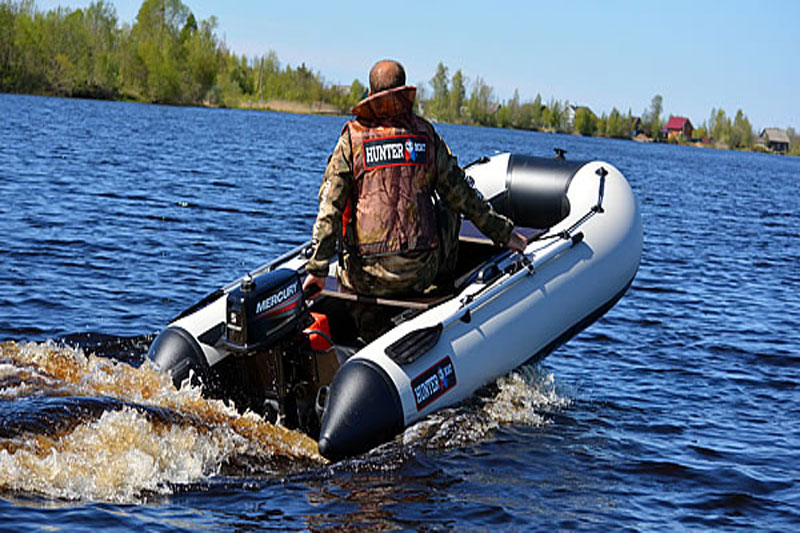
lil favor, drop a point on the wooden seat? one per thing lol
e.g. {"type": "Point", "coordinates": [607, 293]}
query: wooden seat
{"type": "Point", "coordinates": [334, 289]}
{"type": "Point", "coordinates": [469, 233]}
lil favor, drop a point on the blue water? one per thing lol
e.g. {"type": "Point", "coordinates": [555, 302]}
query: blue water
{"type": "Point", "coordinates": [676, 411]}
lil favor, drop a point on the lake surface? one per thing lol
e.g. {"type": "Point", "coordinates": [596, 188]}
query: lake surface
{"type": "Point", "coordinates": [678, 410]}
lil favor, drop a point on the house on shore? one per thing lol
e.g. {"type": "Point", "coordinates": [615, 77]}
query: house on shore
{"type": "Point", "coordinates": [571, 111]}
{"type": "Point", "coordinates": [679, 126]}
{"type": "Point", "coordinates": [775, 139]}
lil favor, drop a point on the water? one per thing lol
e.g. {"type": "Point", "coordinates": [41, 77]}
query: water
{"type": "Point", "coordinates": [676, 411]}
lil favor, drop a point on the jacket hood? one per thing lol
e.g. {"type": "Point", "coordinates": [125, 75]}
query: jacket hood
{"type": "Point", "coordinates": [388, 103]}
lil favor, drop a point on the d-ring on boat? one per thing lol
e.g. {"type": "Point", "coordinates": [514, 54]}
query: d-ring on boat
{"type": "Point", "coordinates": [261, 343]}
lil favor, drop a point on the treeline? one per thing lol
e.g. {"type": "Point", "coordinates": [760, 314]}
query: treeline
{"type": "Point", "coordinates": [452, 101]}
{"type": "Point", "coordinates": [166, 56]}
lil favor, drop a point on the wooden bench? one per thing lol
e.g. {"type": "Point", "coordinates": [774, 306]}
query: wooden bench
{"type": "Point", "coordinates": [334, 289]}
{"type": "Point", "coordinates": [469, 233]}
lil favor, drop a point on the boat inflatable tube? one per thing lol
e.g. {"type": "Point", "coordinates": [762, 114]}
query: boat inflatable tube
{"type": "Point", "coordinates": [258, 342]}
{"type": "Point", "coordinates": [364, 411]}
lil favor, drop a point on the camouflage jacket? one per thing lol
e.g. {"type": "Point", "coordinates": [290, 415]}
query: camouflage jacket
{"type": "Point", "coordinates": [338, 184]}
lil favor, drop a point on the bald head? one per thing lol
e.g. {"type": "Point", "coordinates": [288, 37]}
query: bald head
{"type": "Point", "coordinates": [386, 74]}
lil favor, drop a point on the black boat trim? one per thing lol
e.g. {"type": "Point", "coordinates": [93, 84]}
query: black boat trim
{"type": "Point", "coordinates": [579, 326]}
{"type": "Point", "coordinates": [212, 335]}
{"type": "Point", "coordinates": [479, 161]}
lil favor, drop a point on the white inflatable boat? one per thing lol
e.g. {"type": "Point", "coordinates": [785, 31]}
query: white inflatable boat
{"type": "Point", "coordinates": [262, 344]}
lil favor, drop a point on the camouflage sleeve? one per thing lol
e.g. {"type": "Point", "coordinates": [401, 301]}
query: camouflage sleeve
{"type": "Point", "coordinates": [333, 194]}
{"type": "Point", "coordinates": [460, 196]}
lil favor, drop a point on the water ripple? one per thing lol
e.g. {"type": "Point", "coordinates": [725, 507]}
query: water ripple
{"type": "Point", "coordinates": [682, 407]}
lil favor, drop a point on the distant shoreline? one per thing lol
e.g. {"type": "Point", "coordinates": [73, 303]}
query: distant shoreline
{"type": "Point", "coordinates": [326, 109]}
{"type": "Point", "coordinates": [167, 56]}
{"type": "Point", "coordinates": [274, 104]}
{"type": "Point", "coordinates": [289, 106]}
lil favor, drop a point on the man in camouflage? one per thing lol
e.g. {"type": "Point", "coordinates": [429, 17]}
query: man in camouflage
{"type": "Point", "coordinates": [381, 179]}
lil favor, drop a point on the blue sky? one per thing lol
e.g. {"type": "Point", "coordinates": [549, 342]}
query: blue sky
{"type": "Point", "coordinates": [697, 55]}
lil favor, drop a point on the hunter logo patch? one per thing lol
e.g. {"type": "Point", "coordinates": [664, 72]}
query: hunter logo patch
{"type": "Point", "coordinates": [434, 382]}
{"type": "Point", "coordinates": [395, 151]}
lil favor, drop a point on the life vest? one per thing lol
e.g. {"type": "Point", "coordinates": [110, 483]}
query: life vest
{"type": "Point", "coordinates": [391, 208]}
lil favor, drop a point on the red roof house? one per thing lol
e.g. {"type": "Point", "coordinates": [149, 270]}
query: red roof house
{"type": "Point", "coordinates": [679, 126]}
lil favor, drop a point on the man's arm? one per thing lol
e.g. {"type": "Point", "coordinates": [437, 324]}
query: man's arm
{"type": "Point", "coordinates": [457, 193]}
{"type": "Point", "coordinates": [337, 184]}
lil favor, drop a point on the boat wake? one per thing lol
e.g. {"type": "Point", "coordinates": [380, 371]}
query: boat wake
{"type": "Point", "coordinates": [74, 426]}
{"type": "Point", "coordinates": [81, 427]}
{"type": "Point", "coordinates": [523, 398]}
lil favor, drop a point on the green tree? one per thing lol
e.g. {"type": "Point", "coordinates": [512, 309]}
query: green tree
{"type": "Point", "coordinates": [720, 126]}
{"type": "Point", "coordinates": [556, 115]}
{"type": "Point", "coordinates": [33, 58]}
{"type": "Point", "coordinates": [651, 118]}
{"type": "Point", "coordinates": [202, 60]}
{"type": "Point", "coordinates": [481, 105]}
{"type": "Point", "coordinates": [712, 121]}
{"type": "Point", "coordinates": [156, 35]}
{"type": "Point", "coordinates": [457, 96]}
{"type": "Point", "coordinates": [529, 114]}
{"type": "Point", "coordinates": [537, 108]}
{"type": "Point", "coordinates": [618, 125]}
{"type": "Point", "coordinates": [66, 42]}
{"type": "Point", "coordinates": [502, 117]}
{"type": "Point", "coordinates": [103, 42]}
{"type": "Point", "coordinates": [701, 132]}
{"type": "Point", "coordinates": [9, 54]}
{"type": "Point", "coordinates": [268, 70]}
{"type": "Point", "coordinates": [515, 111]}
{"type": "Point", "coordinates": [602, 125]}
{"type": "Point", "coordinates": [585, 122]}
{"type": "Point", "coordinates": [794, 141]}
{"type": "Point", "coordinates": [440, 84]}
{"type": "Point", "coordinates": [741, 135]}
{"type": "Point", "coordinates": [357, 92]}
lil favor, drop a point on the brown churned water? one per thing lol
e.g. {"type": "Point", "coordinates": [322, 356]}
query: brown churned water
{"type": "Point", "coordinates": [86, 427]}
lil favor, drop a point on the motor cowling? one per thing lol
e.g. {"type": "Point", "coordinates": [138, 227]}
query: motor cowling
{"type": "Point", "coordinates": [264, 309]}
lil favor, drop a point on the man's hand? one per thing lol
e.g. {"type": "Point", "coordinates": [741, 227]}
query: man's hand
{"type": "Point", "coordinates": [313, 284]}
{"type": "Point", "coordinates": [517, 242]}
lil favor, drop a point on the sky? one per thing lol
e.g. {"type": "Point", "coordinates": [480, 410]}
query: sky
{"type": "Point", "coordinates": [697, 55]}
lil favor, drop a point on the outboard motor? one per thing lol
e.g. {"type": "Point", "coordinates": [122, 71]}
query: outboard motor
{"type": "Point", "coordinates": [261, 357]}
{"type": "Point", "coordinates": [262, 310]}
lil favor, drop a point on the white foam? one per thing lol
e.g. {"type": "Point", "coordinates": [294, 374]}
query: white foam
{"type": "Point", "coordinates": [523, 397]}
{"type": "Point", "coordinates": [127, 453]}
{"type": "Point", "coordinates": [118, 457]}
